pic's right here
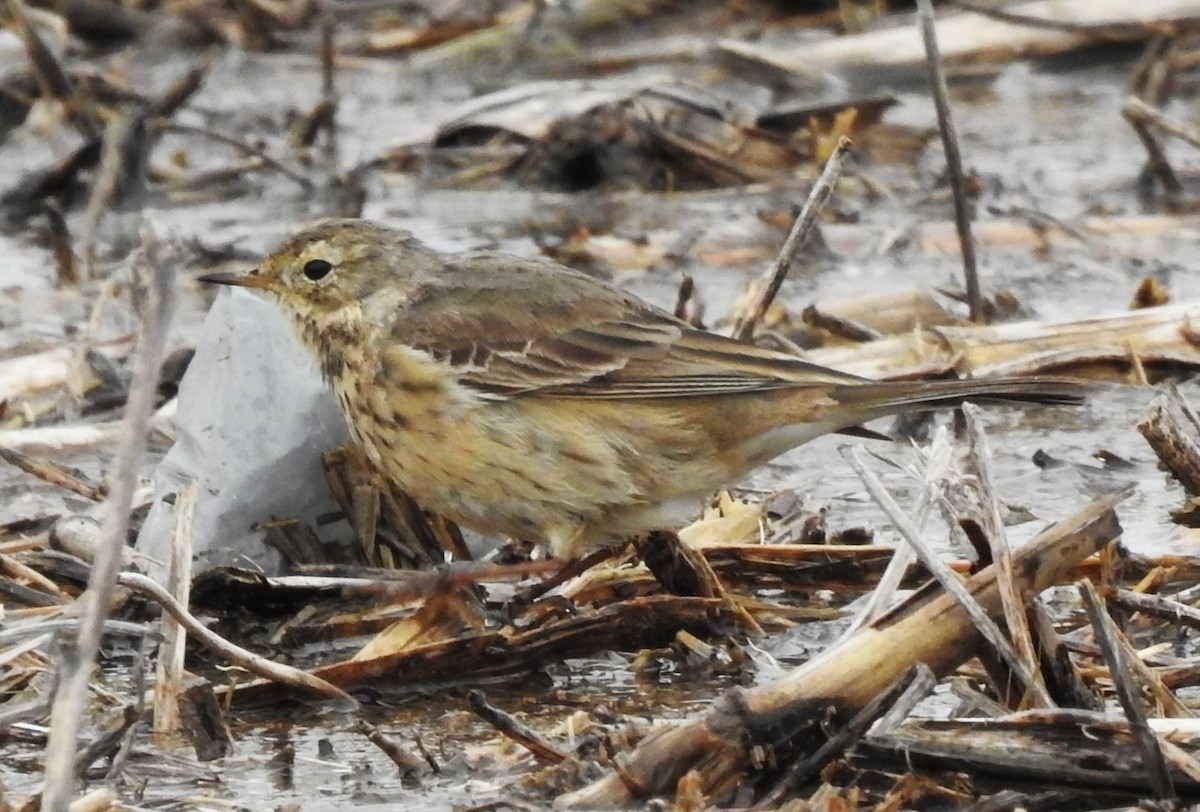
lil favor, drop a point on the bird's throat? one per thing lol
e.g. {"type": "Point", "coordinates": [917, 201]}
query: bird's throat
{"type": "Point", "coordinates": [337, 343]}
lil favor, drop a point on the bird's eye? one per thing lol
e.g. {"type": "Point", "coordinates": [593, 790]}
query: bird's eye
{"type": "Point", "coordinates": [316, 269]}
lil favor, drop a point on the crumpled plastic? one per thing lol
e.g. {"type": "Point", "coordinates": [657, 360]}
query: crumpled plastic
{"type": "Point", "coordinates": [254, 417]}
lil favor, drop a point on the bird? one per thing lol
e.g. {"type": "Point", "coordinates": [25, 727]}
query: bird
{"type": "Point", "coordinates": [522, 398]}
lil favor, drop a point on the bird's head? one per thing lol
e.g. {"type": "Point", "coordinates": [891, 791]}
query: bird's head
{"type": "Point", "coordinates": [332, 269]}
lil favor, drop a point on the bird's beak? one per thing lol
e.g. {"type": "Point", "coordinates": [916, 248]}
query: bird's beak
{"type": "Point", "coordinates": [247, 280]}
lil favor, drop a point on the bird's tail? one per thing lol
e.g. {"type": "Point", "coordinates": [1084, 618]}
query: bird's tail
{"type": "Point", "coordinates": [889, 397]}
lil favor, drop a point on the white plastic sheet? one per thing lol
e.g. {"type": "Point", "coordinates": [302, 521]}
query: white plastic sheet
{"type": "Point", "coordinates": [254, 417]}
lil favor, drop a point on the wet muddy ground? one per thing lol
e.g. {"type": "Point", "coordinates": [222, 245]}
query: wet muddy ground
{"type": "Point", "coordinates": [1044, 142]}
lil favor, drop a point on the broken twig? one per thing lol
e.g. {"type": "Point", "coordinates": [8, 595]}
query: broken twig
{"type": "Point", "coordinates": [807, 218]}
{"type": "Point", "coordinates": [75, 666]}
{"type": "Point", "coordinates": [1128, 693]}
{"type": "Point", "coordinates": [958, 186]}
{"type": "Point", "coordinates": [950, 581]}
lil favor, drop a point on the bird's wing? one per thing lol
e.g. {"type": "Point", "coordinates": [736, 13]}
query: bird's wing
{"type": "Point", "coordinates": [538, 328]}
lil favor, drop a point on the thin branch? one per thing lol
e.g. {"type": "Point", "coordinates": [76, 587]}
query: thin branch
{"type": "Point", "coordinates": [1128, 693]}
{"type": "Point", "coordinates": [94, 603]}
{"type": "Point", "coordinates": [329, 97]}
{"type": "Point", "coordinates": [1140, 116]}
{"type": "Point", "coordinates": [795, 240]}
{"type": "Point", "coordinates": [168, 670]}
{"type": "Point", "coordinates": [53, 473]}
{"type": "Point", "coordinates": [993, 525]}
{"type": "Point", "coordinates": [514, 729]}
{"type": "Point", "coordinates": [1156, 606]}
{"type": "Point", "coordinates": [962, 216]}
{"type": "Point", "coordinates": [949, 580]}
{"type": "Point", "coordinates": [51, 76]}
{"type": "Point", "coordinates": [187, 129]}
{"type": "Point", "coordinates": [261, 666]}
{"type": "Point", "coordinates": [1114, 32]}
{"type": "Point", "coordinates": [916, 684]}
{"type": "Point", "coordinates": [1136, 108]}
{"type": "Point", "coordinates": [937, 464]}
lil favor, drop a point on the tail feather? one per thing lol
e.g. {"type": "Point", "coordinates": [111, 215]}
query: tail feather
{"type": "Point", "coordinates": [844, 408]}
{"type": "Point", "coordinates": [887, 397]}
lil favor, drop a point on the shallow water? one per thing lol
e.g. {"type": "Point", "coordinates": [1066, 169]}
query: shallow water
{"type": "Point", "coordinates": [1042, 141]}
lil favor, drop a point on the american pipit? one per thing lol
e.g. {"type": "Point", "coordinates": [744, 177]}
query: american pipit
{"type": "Point", "coordinates": [517, 396]}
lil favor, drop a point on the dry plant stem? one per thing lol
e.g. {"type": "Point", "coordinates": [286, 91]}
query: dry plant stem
{"type": "Point", "coordinates": [1156, 606]}
{"type": "Point", "coordinates": [796, 238]}
{"type": "Point", "coordinates": [951, 582]}
{"type": "Point", "coordinates": [1136, 109]}
{"type": "Point", "coordinates": [1161, 336]}
{"type": "Point", "coordinates": [405, 585]}
{"type": "Point", "coordinates": [48, 370]}
{"type": "Point", "coordinates": [119, 129]}
{"type": "Point", "coordinates": [1013, 603]}
{"type": "Point", "coordinates": [53, 473]}
{"type": "Point", "coordinates": [1180, 759]}
{"type": "Point", "coordinates": [1114, 31]}
{"type": "Point", "coordinates": [425, 754]}
{"type": "Point", "coordinates": [77, 658]}
{"type": "Point", "coordinates": [1137, 370]}
{"type": "Point", "coordinates": [329, 97]}
{"type": "Point", "coordinates": [405, 761]}
{"type": "Point", "coordinates": [922, 684]}
{"type": "Point", "coordinates": [52, 80]}
{"type": "Point", "coordinates": [20, 572]}
{"type": "Point", "coordinates": [841, 327]}
{"type": "Point", "coordinates": [974, 40]}
{"type": "Point", "coordinates": [512, 728]}
{"type": "Point", "coordinates": [106, 744]}
{"type": "Point", "coordinates": [1062, 677]}
{"type": "Point", "coordinates": [931, 628]}
{"type": "Point", "coordinates": [9, 634]}
{"type": "Point", "coordinates": [569, 570]}
{"type": "Point", "coordinates": [917, 683]}
{"type": "Point", "coordinates": [1150, 84]}
{"type": "Point", "coordinates": [60, 240]}
{"type": "Point", "coordinates": [61, 439]}
{"type": "Point", "coordinates": [962, 217]}
{"type": "Point", "coordinates": [1173, 431]}
{"type": "Point", "coordinates": [117, 763]}
{"type": "Point", "coordinates": [182, 90]}
{"type": "Point", "coordinates": [1153, 75]}
{"type": "Point", "coordinates": [168, 671]}
{"type": "Point", "coordinates": [267, 669]}
{"type": "Point", "coordinates": [936, 466]}
{"type": "Point", "coordinates": [1128, 693]}
{"type": "Point", "coordinates": [1169, 704]}
{"type": "Point", "coordinates": [1157, 164]}
{"type": "Point", "coordinates": [186, 129]}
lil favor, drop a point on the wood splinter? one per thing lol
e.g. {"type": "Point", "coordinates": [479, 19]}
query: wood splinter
{"type": "Point", "coordinates": [1173, 431]}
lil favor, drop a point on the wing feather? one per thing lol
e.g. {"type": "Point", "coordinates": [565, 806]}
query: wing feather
{"type": "Point", "coordinates": [539, 328]}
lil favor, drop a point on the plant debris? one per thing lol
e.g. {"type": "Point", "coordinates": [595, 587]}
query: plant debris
{"type": "Point", "coordinates": [997, 614]}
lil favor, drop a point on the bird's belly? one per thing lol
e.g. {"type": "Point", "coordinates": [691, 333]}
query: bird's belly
{"type": "Point", "coordinates": [459, 464]}
{"type": "Point", "coordinates": [573, 474]}
{"type": "Point", "coordinates": [419, 433]}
